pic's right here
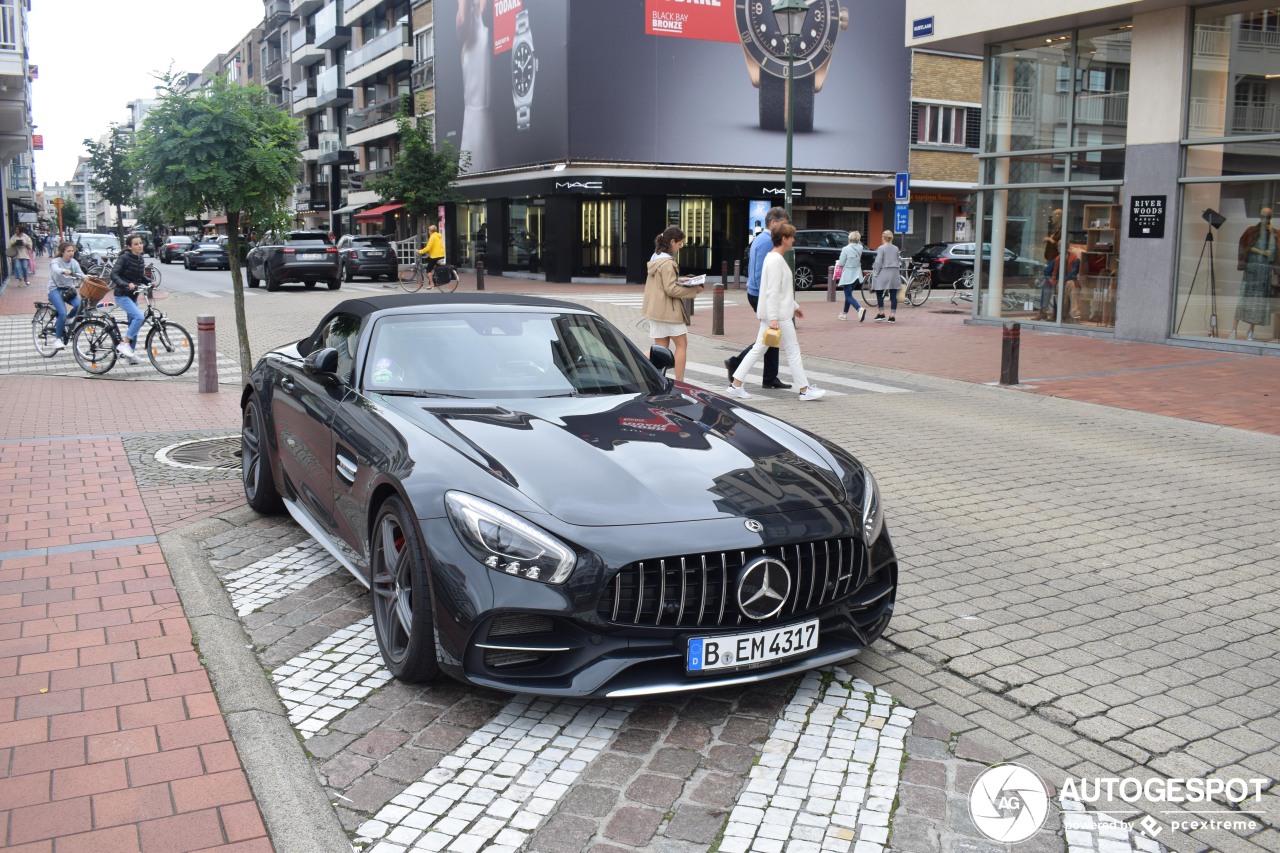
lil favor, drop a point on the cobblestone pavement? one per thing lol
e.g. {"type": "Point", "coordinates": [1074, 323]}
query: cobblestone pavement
{"type": "Point", "coordinates": [1085, 591]}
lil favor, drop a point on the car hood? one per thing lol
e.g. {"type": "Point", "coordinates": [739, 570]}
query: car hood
{"type": "Point", "coordinates": [632, 459]}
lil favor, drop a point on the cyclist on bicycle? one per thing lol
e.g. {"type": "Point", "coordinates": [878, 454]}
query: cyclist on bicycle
{"type": "Point", "coordinates": [64, 280]}
{"type": "Point", "coordinates": [128, 274]}
{"type": "Point", "coordinates": [434, 250]}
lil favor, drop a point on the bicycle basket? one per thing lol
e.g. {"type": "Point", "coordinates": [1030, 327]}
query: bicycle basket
{"type": "Point", "coordinates": [92, 289]}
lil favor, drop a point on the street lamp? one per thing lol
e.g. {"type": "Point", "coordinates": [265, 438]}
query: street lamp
{"type": "Point", "coordinates": [790, 15]}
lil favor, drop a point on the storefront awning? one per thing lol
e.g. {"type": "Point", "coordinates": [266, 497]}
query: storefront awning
{"type": "Point", "coordinates": [217, 220]}
{"type": "Point", "coordinates": [378, 212]}
{"type": "Point", "coordinates": [351, 208]}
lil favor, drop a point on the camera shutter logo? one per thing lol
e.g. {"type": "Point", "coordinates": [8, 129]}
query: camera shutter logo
{"type": "Point", "coordinates": [1008, 803]}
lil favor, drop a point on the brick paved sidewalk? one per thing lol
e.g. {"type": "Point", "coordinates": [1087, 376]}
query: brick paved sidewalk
{"type": "Point", "coordinates": [111, 738]}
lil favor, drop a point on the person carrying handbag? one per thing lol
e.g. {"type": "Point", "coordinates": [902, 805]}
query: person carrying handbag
{"type": "Point", "coordinates": [19, 251]}
{"type": "Point", "coordinates": [65, 276]}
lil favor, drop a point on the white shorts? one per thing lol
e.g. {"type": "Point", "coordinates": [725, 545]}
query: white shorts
{"type": "Point", "coordinates": [659, 329]}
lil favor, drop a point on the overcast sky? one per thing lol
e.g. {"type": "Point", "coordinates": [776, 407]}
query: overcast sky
{"type": "Point", "coordinates": [95, 56]}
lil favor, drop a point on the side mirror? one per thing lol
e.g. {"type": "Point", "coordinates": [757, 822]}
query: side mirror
{"type": "Point", "coordinates": [661, 358]}
{"type": "Point", "coordinates": [321, 361]}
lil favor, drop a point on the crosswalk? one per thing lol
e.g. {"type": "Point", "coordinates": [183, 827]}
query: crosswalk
{"type": "Point", "coordinates": [632, 300]}
{"type": "Point", "coordinates": [18, 355]}
{"type": "Point", "coordinates": [250, 293]}
{"type": "Point", "coordinates": [713, 378]}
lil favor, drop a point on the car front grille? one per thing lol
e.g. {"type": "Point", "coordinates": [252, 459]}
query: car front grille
{"type": "Point", "coordinates": [699, 590]}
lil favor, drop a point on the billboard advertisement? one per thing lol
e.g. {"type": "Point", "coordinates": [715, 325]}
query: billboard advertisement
{"type": "Point", "coordinates": [691, 82]}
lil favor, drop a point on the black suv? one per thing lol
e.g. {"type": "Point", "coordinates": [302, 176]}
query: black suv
{"type": "Point", "coordinates": [369, 255]}
{"type": "Point", "coordinates": [817, 250]}
{"type": "Point", "coordinates": [305, 256]}
{"type": "Point", "coordinates": [948, 262]}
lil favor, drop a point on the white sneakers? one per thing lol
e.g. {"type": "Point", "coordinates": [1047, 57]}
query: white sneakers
{"type": "Point", "coordinates": [862, 313]}
{"type": "Point", "coordinates": [842, 316]}
{"type": "Point", "coordinates": [57, 344]}
{"type": "Point", "coordinates": [813, 392]}
{"type": "Point", "coordinates": [739, 391]}
{"type": "Point", "coordinates": [128, 352]}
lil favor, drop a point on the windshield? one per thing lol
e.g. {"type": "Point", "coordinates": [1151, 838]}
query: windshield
{"type": "Point", "coordinates": [505, 354]}
{"type": "Point", "coordinates": [98, 242]}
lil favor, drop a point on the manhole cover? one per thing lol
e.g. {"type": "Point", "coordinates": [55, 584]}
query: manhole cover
{"type": "Point", "coordinates": [210, 454]}
{"type": "Point", "coordinates": [949, 311]}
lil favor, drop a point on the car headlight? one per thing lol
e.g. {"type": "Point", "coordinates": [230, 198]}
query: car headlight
{"type": "Point", "coordinates": [872, 509]}
{"type": "Point", "coordinates": [507, 543]}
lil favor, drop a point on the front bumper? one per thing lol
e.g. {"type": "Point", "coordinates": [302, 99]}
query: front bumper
{"type": "Point", "coordinates": [523, 636]}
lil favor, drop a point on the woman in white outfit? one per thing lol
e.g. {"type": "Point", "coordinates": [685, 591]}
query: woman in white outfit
{"type": "Point", "coordinates": [777, 310]}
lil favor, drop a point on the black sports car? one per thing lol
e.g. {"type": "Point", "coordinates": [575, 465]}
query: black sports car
{"type": "Point", "coordinates": [210, 253]}
{"type": "Point", "coordinates": [538, 509]}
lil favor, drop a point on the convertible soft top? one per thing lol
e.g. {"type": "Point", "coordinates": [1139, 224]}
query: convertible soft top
{"type": "Point", "coordinates": [364, 306]}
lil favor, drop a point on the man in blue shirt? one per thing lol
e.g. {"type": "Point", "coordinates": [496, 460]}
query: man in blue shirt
{"type": "Point", "coordinates": [761, 246]}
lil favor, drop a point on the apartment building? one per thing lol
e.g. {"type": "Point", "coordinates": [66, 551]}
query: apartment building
{"type": "Point", "coordinates": [1139, 141]}
{"type": "Point", "coordinates": [17, 178]}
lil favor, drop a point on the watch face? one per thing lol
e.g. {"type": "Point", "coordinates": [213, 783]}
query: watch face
{"type": "Point", "coordinates": [522, 69]}
{"type": "Point", "coordinates": [763, 38]}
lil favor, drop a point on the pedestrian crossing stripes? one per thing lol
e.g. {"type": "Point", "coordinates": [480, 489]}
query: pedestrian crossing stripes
{"type": "Point", "coordinates": [253, 292]}
{"type": "Point", "coordinates": [18, 356]}
{"type": "Point", "coordinates": [822, 379]}
{"type": "Point", "coordinates": [631, 300]}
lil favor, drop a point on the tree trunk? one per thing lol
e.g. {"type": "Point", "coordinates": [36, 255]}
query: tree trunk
{"type": "Point", "coordinates": [234, 253]}
{"type": "Point", "coordinates": [120, 228]}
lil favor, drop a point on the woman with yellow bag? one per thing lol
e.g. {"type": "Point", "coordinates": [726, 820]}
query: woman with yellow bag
{"type": "Point", "coordinates": [777, 312]}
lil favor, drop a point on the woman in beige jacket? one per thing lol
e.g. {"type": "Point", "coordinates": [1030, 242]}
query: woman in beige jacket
{"type": "Point", "coordinates": [663, 295]}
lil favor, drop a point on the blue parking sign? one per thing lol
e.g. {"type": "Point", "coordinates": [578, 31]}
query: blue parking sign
{"type": "Point", "coordinates": [901, 219]}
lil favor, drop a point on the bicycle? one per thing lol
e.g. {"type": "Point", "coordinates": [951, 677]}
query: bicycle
{"type": "Point", "coordinates": [915, 284]}
{"type": "Point", "coordinates": [102, 269]}
{"type": "Point", "coordinates": [44, 322]}
{"type": "Point", "coordinates": [962, 288]}
{"type": "Point", "coordinates": [412, 278]}
{"type": "Point", "coordinates": [169, 346]}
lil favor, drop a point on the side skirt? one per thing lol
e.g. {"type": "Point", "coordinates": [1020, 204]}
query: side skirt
{"type": "Point", "coordinates": [308, 524]}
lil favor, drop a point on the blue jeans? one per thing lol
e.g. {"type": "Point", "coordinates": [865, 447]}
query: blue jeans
{"type": "Point", "coordinates": [134, 313]}
{"type": "Point", "coordinates": [60, 305]}
{"type": "Point", "coordinates": [849, 300]}
{"type": "Point", "coordinates": [21, 268]}
{"type": "Point", "coordinates": [893, 298]}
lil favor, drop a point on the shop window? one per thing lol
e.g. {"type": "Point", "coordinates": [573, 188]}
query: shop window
{"type": "Point", "coordinates": [524, 235]}
{"type": "Point", "coordinates": [603, 224]}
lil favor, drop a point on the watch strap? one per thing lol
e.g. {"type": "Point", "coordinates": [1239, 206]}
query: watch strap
{"type": "Point", "coordinates": [773, 103]}
{"type": "Point", "coordinates": [522, 21]}
{"type": "Point", "coordinates": [523, 117]}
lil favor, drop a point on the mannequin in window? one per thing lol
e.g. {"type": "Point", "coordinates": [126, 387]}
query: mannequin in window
{"type": "Point", "coordinates": [1257, 259]}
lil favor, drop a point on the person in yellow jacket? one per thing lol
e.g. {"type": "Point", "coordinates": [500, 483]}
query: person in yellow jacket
{"type": "Point", "coordinates": [434, 250]}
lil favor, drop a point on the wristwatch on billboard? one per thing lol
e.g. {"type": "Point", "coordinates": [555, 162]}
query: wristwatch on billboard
{"type": "Point", "coordinates": [765, 48]}
{"type": "Point", "coordinates": [524, 65]}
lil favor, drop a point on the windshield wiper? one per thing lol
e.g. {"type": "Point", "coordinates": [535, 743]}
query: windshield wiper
{"type": "Point", "coordinates": [400, 392]}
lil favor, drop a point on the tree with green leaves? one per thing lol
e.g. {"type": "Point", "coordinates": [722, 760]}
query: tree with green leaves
{"type": "Point", "coordinates": [421, 178]}
{"type": "Point", "coordinates": [224, 147]}
{"type": "Point", "coordinates": [113, 174]}
{"type": "Point", "coordinates": [151, 215]}
{"type": "Point", "coordinates": [72, 214]}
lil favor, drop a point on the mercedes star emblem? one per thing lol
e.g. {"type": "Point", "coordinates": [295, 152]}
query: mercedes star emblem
{"type": "Point", "coordinates": [763, 588]}
{"type": "Point", "coordinates": [753, 525]}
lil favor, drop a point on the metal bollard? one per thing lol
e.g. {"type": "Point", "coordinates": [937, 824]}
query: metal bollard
{"type": "Point", "coordinates": [717, 310]}
{"type": "Point", "coordinates": [831, 284]}
{"type": "Point", "coordinates": [479, 275]}
{"type": "Point", "coordinates": [737, 275]}
{"type": "Point", "coordinates": [1010, 344]}
{"type": "Point", "coordinates": [207, 349]}
{"type": "Point", "coordinates": [688, 306]}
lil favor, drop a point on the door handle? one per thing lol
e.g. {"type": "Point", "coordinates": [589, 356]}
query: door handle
{"type": "Point", "coordinates": [287, 384]}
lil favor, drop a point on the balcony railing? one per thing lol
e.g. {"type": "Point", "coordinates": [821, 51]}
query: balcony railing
{"type": "Point", "coordinates": [305, 89]}
{"type": "Point", "coordinates": [390, 40]}
{"type": "Point", "coordinates": [423, 75]}
{"type": "Point", "coordinates": [1265, 38]}
{"type": "Point", "coordinates": [1207, 118]}
{"type": "Point", "coordinates": [309, 142]}
{"type": "Point", "coordinates": [273, 69]}
{"type": "Point", "coordinates": [302, 38]}
{"type": "Point", "coordinates": [276, 10]}
{"type": "Point", "coordinates": [1015, 102]}
{"type": "Point", "coordinates": [9, 29]}
{"type": "Point", "coordinates": [373, 114]}
{"type": "Point", "coordinates": [1212, 41]}
{"type": "Point", "coordinates": [1099, 108]}
{"type": "Point", "coordinates": [328, 80]}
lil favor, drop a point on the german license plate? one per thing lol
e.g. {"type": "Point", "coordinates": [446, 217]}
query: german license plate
{"type": "Point", "coordinates": [732, 651]}
{"type": "Point", "coordinates": [311, 256]}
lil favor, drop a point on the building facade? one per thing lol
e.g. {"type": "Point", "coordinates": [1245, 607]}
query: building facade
{"type": "Point", "coordinates": [1130, 165]}
{"type": "Point", "coordinates": [17, 176]}
{"type": "Point", "coordinates": [589, 127]}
